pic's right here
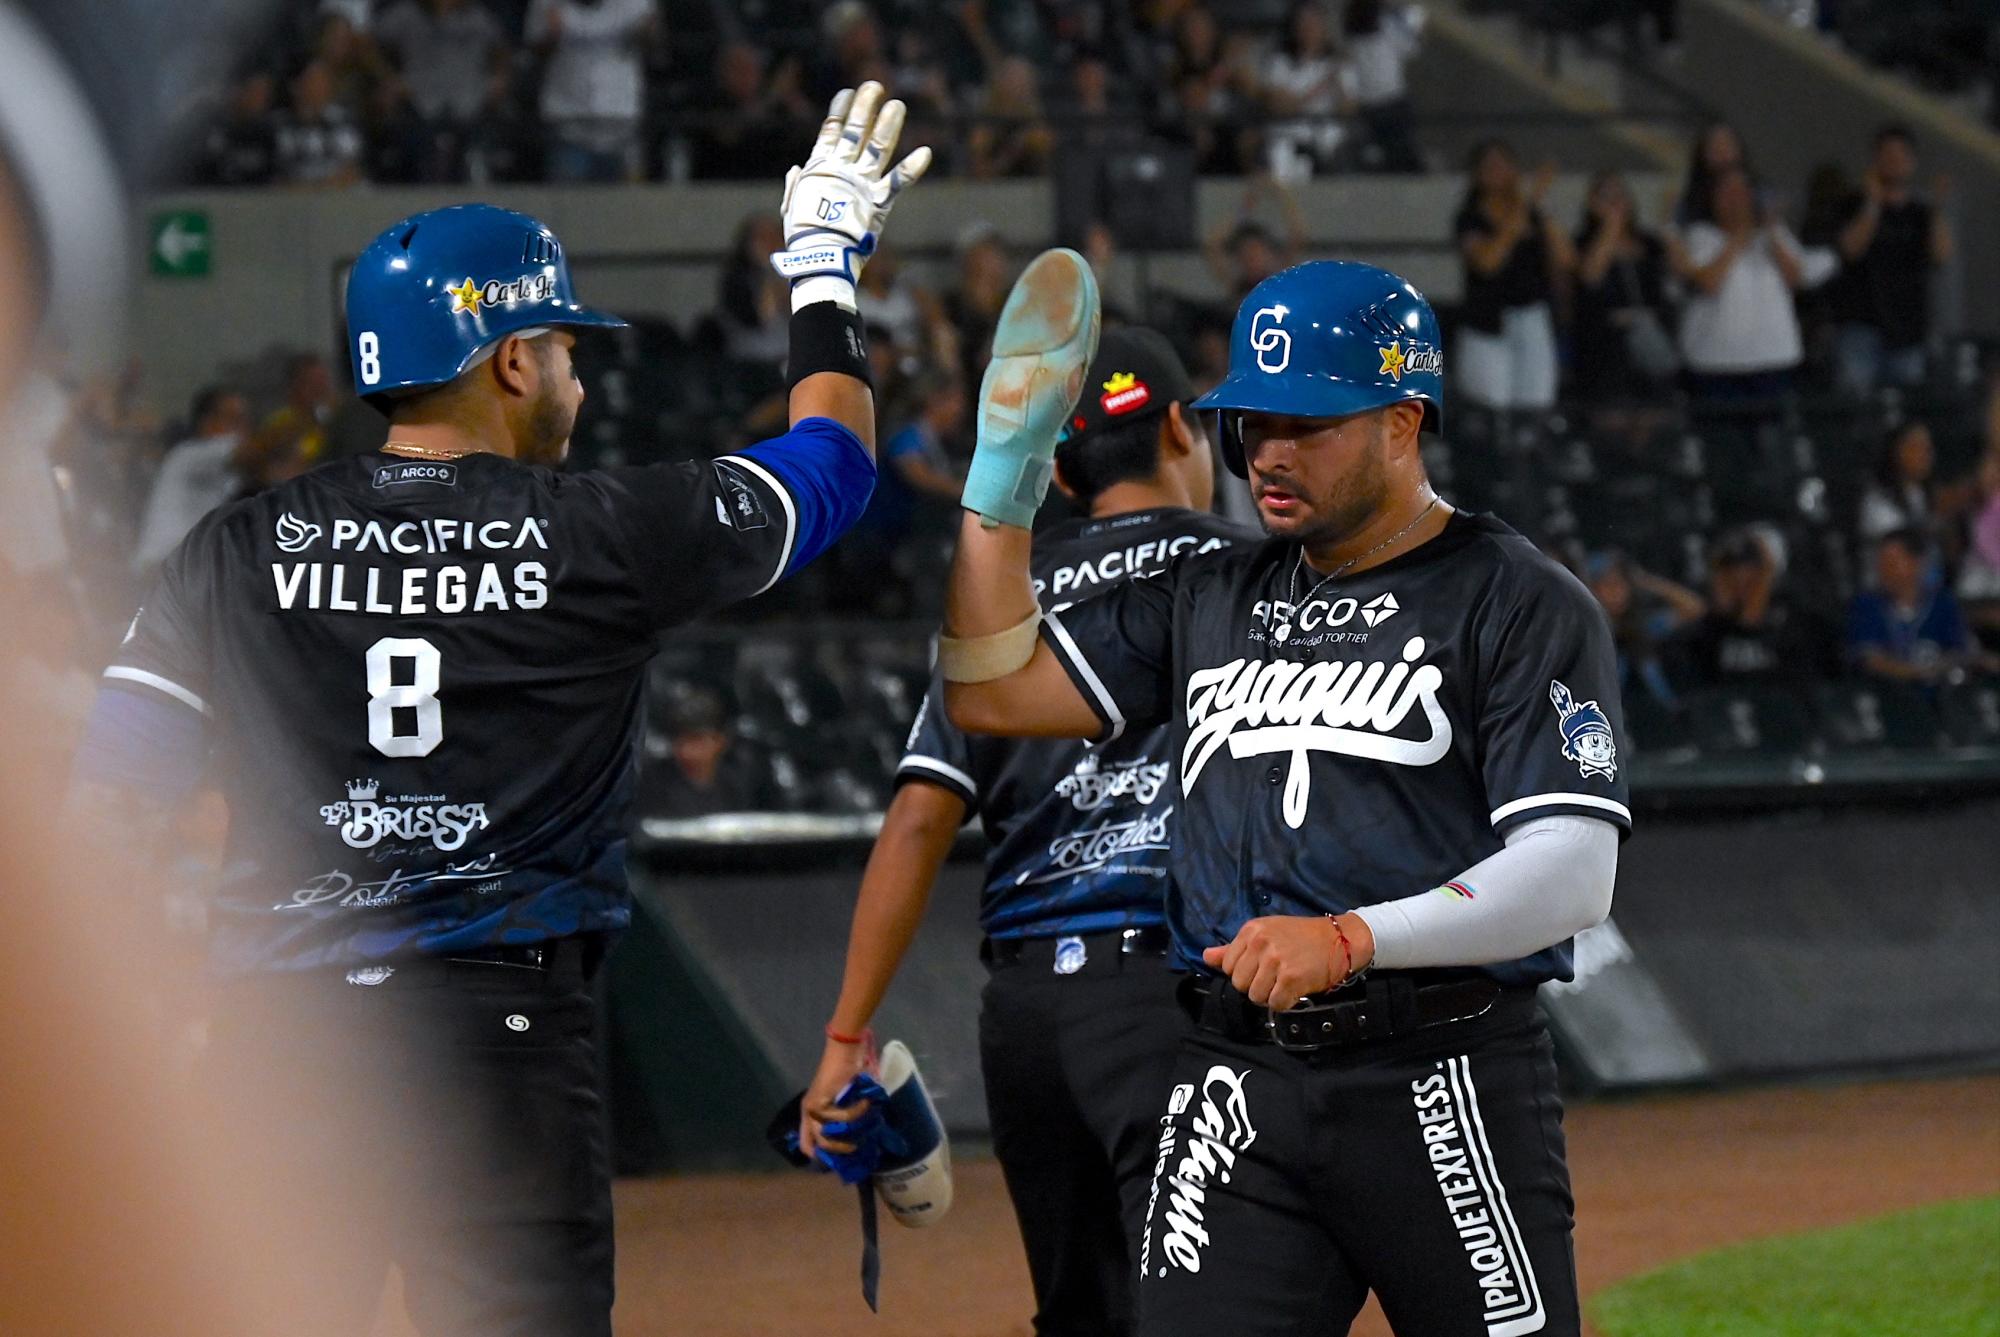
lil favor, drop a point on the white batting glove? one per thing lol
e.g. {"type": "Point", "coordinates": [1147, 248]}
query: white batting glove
{"type": "Point", "coordinates": [836, 203]}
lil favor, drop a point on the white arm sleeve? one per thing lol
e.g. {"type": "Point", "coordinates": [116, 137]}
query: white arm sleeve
{"type": "Point", "coordinates": [1552, 881]}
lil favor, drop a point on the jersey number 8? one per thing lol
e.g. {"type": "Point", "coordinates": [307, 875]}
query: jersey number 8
{"type": "Point", "coordinates": [386, 696]}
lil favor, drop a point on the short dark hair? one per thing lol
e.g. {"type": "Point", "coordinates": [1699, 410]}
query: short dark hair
{"type": "Point", "coordinates": [1910, 539]}
{"type": "Point", "coordinates": [1896, 130]}
{"type": "Point", "coordinates": [206, 400]}
{"type": "Point", "coordinates": [1123, 452]}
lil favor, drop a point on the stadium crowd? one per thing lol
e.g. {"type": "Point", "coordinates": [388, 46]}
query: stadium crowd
{"type": "Point", "coordinates": [1742, 426]}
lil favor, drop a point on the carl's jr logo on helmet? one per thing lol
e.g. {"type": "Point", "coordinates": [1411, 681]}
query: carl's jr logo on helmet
{"type": "Point", "coordinates": [1272, 342]}
{"type": "Point", "coordinates": [471, 295]}
{"type": "Point", "coordinates": [1419, 359]}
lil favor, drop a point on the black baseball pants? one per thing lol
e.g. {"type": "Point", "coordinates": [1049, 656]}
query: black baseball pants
{"type": "Point", "coordinates": [1428, 1168]}
{"type": "Point", "coordinates": [447, 1119]}
{"type": "Point", "coordinates": [1074, 1065]}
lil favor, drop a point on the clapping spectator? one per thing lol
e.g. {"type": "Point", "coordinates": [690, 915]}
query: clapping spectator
{"type": "Point", "coordinates": [1011, 137]}
{"type": "Point", "coordinates": [1739, 329]}
{"type": "Point", "coordinates": [197, 475]}
{"type": "Point", "coordinates": [1751, 631]}
{"type": "Point", "coordinates": [753, 119]}
{"type": "Point", "coordinates": [1624, 351]}
{"type": "Point", "coordinates": [453, 58]}
{"type": "Point", "coordinates": [241, 149]}
{"type": "Point", "coordinates": [1909, 628]}
{"type": "Point", "coordinates": [1717, 149]}
{"type": "Point", "coordinates": [594, 85]}
{"type": "Point", "coordinates": [1210, 85]}
{"type": "Point", "coordinates": [1302, 81]}
{"type": "Point", "coordinates": [1902, 494]}
{"type": "Point", "coordinates": [1646, 612]}
{"type": "Point", "coordinates": [1514, 258]}
{"type": "Point", "coordinates": [1242, 252]}
{"type": "Point", "coordinates": [1382, 38]}
{"type": "Point", "coordinates": [318, 142]}
{"type": "Point", "coordinates": [1892, 243]}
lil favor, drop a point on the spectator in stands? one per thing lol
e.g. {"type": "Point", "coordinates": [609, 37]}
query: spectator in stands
{"type": "Point", "coordinates": [1213, 86]}
{"type": "Point", "coordinates": [318, 142]}
{"type": "Point", "coordinates": [916, 492]}
{"type": "Point", "coordinates": [973, 304]}
{"type": "Point", "coordinates": [1383, 37]}
{"type": "Point", "coordinates": [703, 772]}
{"type": "Point", "coordinates": [594, 84]}
{"type": "Point", "coordinates": [362, 77]}
{"type": "Point", "coordinates": [751, 122]}
{"type": "Point", "coordinates": [1624, 350]}
{"type": "Point", "coordinates": [1979, 569]}
{"type": "Point", "coordinates": [919, 78]}
{"type": "Point", "coordinates": [1909, 628]}
{"type": "Point", "coordinates": [1739, 329]}
{"type": "Point", "coordinates": [1902, 494]}
{"type": "Point", "coordinates": [1515, 258]}
{"type": "Point", "coordinates": [852, 51]}
{"type": "Point", "coordinates": [1011, 136]}
{"type": "Point", "coordinates": [1302, 82]}
{"type": "Point", "coordinates": [197, 475]}
{"type": "Point", "coordinates": [1893, 242]}
{"type": "Point", "coordinates": [1241, 252]}
{"type": "Point", "coordinates": [454, 59]}
{"type": "Point", "coordinates": [241, 149]}
{"type": "Point", "coordinates": [1118, 287]}
{"type": "Point", "coordinates": [754, 304]}
{"type": "Point", "coordinates": [1646, 612]}
{"type": "Point", "coordinates": [890, 298]}
{"type": "Point", "coordinates": [1717, 149]}
{"type": "Point", "coordinates": [1091, 115]}
{"type": "Point", "coordinates": [1751, 631]}
{"type": "Point", "coordinates": [291, 439]}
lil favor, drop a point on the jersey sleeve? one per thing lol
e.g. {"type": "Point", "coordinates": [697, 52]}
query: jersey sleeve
{"type": "Point", "coordinates": [165, 653]}
{"type": "Point", "coordinates": [704, 535]}
{"type": "Point", "coordinates": [1118, 648]}
{"type": "Point", "coordinates": [1549, 717]}
{"type": "Point", "coordinates": [937, 752]}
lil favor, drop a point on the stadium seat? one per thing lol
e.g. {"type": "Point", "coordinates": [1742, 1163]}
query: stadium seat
{"type": "Point", "coordinates": [1757, 719]}
{"type": "Point", "coordinates": [1970, 712]}
{"type": "Point", "coordinates": [1864, 716]}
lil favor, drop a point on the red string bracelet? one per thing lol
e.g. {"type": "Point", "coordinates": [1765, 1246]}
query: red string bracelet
{"type": "Point", "coordinates": [840, 1039]}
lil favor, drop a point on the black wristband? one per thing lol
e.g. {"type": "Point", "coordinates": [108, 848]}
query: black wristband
{"type": "Point", "coordinates": [826, 336]}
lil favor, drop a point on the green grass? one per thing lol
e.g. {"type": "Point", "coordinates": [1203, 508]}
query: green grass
{"type": "Point", "coordinates": [1928, 1273]}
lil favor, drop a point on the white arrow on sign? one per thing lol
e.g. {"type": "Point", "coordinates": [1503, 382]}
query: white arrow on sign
{"type": "Point", "coordinates": [176, 243]}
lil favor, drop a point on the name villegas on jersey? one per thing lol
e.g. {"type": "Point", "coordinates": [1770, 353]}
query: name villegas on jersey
{"type": "Point", "coordinates": [355, 586]}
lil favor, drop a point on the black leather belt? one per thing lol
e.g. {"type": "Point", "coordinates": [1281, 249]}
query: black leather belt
{"type": "Point", "coordinates": [1071, 953]}
{"type": "Point", "coordinates": [1377, 1007]}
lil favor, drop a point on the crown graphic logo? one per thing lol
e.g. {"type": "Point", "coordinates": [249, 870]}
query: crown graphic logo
{"type": "Point", "coordinates": [1121, 380]}
{"type": "Point", "coordinates": [363, 791]}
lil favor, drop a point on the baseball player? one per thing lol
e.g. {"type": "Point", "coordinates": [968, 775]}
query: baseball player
{"type": "Point", "coordinates": [1395, 736]}
{"type": "Point", "coordinates": [1078, 1021]}
{"type": "Point", "coordinates": [420, 673]}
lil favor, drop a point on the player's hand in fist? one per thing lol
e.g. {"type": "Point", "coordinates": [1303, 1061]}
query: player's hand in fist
{"type": "Point", "coordinates": [836, 202]}
{"type": "Point", "coordinates": [839, 1064]}
{"type": "Point", "coordinates": [1280, 959]}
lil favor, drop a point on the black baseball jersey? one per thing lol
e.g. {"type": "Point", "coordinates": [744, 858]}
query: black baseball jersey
{"type": "Point", "coordinates": [1078, 835]}
{"type": "Point", "coordinates": [1373, 742]}
{"type": "Point", "coordinates": [423, 681]}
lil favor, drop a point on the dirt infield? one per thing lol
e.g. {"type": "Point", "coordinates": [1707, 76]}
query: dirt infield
{"type": "Point", "coordinates": [1656, 1179]}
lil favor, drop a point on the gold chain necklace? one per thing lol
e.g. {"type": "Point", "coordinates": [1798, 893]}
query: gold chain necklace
{"type": "Point", "coordinates": [424, 452]}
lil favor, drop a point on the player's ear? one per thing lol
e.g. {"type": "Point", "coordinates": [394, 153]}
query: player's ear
{"type": "Point", "coordinates": [1405, 424]}
{"type": "Point", "coordinates": [514, 366]}
{"type": "Point", "coordinates": [1179, 434]}
{"type": "Point", "coordinates": [1062, 484]}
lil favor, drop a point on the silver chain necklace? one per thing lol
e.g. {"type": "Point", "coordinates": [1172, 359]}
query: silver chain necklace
{"type": "Point", "coordinates": [1283, 631]}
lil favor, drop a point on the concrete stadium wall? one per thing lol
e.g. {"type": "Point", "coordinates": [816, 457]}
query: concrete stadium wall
{"type": "Point", "coordinates": [278, 256]}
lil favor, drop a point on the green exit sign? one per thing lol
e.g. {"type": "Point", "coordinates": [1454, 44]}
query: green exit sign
{"type": "Point", "coordinates": [179, 248]}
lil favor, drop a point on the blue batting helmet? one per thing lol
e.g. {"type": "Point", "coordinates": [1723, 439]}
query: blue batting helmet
{"type": "Point", "coordinates": [1326, 339]}
{"type": "Point", "coordinates": [432, 291]}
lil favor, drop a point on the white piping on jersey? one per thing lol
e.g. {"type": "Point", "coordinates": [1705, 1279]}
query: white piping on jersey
{"type": "Point", "coordinates": [948, 771]}
{"type": "Point", "coordinates": [791, 514]}
{"type": "Point", "coordinates": [1507, 810]}
{"type": "Point", "coordinates": [157, 683]}
{"type": "Point", "coordinates": [1090, 678]}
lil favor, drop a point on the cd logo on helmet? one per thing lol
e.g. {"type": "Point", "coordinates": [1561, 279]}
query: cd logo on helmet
{"type": "Point", "coordinates": [1271, 341]}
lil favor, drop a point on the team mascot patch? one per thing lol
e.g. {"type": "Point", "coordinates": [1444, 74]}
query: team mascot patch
{"type": "Point", "coordinates": [1586, 733]}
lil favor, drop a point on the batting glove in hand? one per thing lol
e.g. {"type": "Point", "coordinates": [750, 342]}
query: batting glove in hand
{"type": "Point", "coordinates": [835, 204]}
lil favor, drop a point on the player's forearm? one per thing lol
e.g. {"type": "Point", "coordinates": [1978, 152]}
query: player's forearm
{"type": "Point", "coordinates": [1553, 880]}
{"type": "Point", "coordinates": [990, 588]}
{"type": "Point", "coordinates": [917, 835]}
{"type": "Point", "coordinates": [829, 368]}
